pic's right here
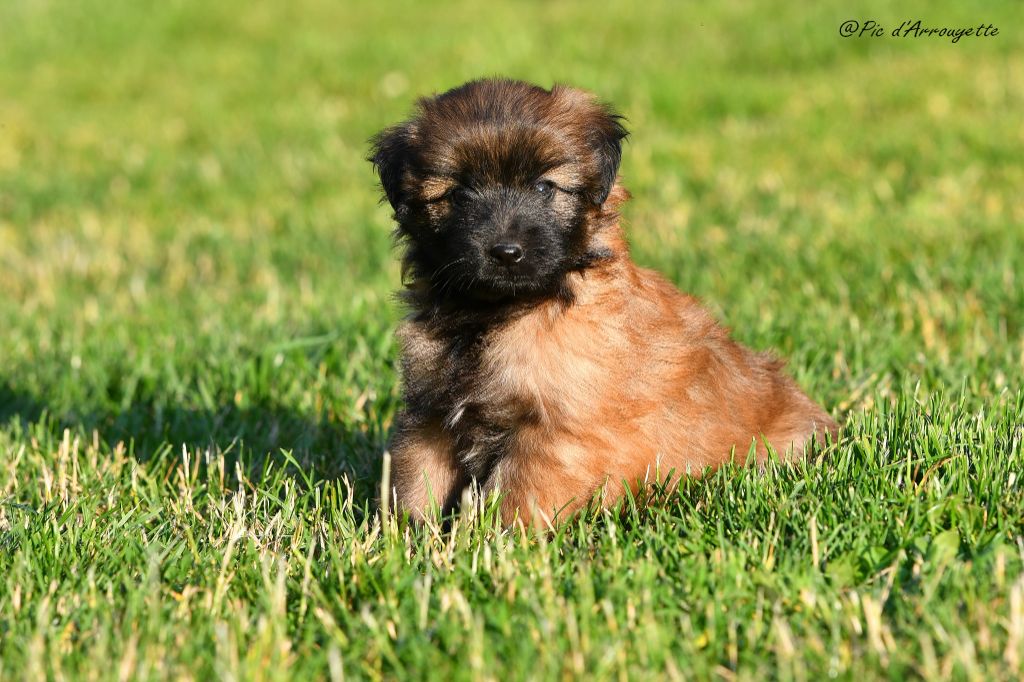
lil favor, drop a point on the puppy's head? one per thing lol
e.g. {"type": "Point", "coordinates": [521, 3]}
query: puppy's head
{"type": "Point", "coordinates": [499, 187]}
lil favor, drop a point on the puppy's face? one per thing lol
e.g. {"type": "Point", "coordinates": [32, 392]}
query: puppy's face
{"type": "Point", "coordinates": [496, 186]}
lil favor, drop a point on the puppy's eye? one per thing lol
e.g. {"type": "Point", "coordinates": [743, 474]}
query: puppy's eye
{"type": "Point", "coordinates": [461, 193]}
{"type": "Point", "coordinates": [544, 187]}
{"type": "Point", "coordinates": [455, 193]}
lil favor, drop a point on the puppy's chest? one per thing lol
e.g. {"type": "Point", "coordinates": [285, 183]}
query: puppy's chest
{"type": "Point", "coordinates": [485, 389]}
{"type": "Point", "coordinates": [490, 400]}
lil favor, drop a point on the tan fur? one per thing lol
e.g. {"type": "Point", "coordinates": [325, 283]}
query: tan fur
{"type": "Point", "coordinates": [631, 382]}
{"type": "Point", "coordinates": [617, 380]}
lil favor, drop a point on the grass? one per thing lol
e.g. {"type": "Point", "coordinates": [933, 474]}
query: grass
{"type": "Point", "coordinates": [198, 376]}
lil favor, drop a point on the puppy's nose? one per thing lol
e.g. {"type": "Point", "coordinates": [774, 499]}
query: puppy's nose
{"type": "Point", "coordinates": [507, 254]}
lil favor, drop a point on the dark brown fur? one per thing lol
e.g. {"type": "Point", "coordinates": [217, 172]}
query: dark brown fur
{"type": "Point", "coordinates": [599, 376]}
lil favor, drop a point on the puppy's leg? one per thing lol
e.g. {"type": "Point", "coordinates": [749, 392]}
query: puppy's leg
{"type": "Point", "coordinates": [538, 490]}
{"type": "Point", "coordinates": [799, 422]}
{"type": "Point", "coordinates": [425, 471]}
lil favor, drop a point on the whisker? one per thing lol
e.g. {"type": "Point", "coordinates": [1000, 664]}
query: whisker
{"type": "Point", "coordinates": [446, 266]}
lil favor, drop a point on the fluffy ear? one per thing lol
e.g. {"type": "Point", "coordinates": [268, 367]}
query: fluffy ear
{"type": "Point", "coordinates": [390, 152]}
{"type": "Point", "coordinates": [606, 140]}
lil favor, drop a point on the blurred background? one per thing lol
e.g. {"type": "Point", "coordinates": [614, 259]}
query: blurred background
{"type": "Point", "coordinates": [192, 248]}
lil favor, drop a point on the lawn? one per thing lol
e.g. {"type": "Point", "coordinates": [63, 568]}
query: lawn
{"type": "Point", "coordinates": [198, 375]}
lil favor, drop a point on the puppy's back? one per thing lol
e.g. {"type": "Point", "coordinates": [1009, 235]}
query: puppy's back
{"type": "Point", "coordinates": [714, 390]}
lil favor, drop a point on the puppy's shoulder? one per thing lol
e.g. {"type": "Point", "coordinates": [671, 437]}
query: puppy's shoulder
{"type": "Point", "coordinates": [422, 349]}
{"type": "Point", "coordinates": [673, 304]}
{"type": "Point", "coordinates": [414, 334]}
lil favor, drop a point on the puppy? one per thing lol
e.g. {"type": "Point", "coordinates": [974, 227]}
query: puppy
{"type": "Point", "coordinates": [539, 361]}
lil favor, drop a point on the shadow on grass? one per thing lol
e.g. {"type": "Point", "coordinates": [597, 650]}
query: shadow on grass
{"type": "Point", "coordinates": [315, 448]}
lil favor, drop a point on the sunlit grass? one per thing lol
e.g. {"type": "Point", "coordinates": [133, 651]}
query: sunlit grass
{"type": "Point", "coordinates": [198, 375]}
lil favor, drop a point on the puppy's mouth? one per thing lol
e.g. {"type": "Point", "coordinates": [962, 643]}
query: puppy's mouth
{"type": "Point", "coordinates": [487, 285]}
{"type": "Point", "coordinates": [479, 280]}
{"type": "Point", "coordinates": [504, 286]}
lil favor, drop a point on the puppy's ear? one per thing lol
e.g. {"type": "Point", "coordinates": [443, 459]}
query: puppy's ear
{"type": "Point", "coordinates": [606, 140]}
{"type": "Point", "coordinates": [390, 154]}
